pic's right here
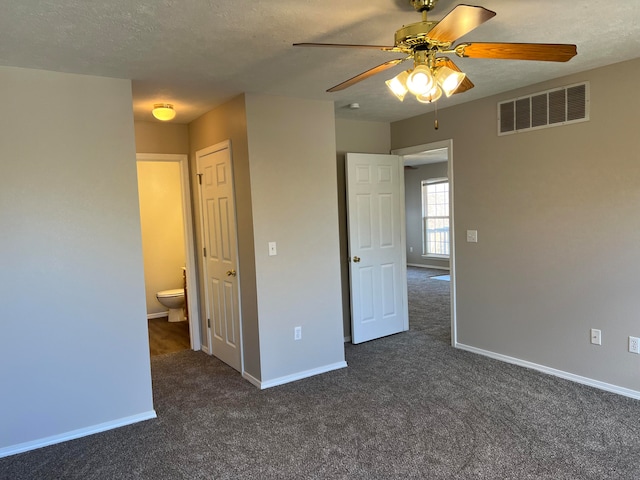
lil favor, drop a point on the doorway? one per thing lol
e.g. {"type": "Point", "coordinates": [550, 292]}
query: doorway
{"type": "Point", "coordinates": [428, 154]}
{"type": "Point", "coordinates": [183, 197]}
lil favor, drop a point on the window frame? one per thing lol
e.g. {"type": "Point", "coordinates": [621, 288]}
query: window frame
{"type": "Point", "coordinates": [424, 186]}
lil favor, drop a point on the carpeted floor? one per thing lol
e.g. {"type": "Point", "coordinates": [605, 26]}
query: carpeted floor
{"type": "Point", "coordinates": [409, 406]}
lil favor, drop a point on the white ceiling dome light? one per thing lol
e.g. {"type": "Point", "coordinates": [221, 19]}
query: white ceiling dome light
{"type": "Point", "coordinates": [163, 111]}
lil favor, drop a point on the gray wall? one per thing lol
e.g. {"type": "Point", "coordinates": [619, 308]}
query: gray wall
{"type": "Point", "coordinates": [558, 228]}
{"type": "Point", "coordinates": [354, 136]}
{"type": "Point", "coordinates": [74, 346]}
{"type": "Point", "coordinates": [293, 187]}
{"type": "Point", "coordinates": [283, 154]}
{"type": "Point", "coordinates": [413, 204]}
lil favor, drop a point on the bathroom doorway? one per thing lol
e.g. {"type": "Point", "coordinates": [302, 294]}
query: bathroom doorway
{"type": "Point", "coordinates": [168, 252]}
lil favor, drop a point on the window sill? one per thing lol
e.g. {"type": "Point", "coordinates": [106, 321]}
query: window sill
{"type": "Point", "coordinates": [436, 257]}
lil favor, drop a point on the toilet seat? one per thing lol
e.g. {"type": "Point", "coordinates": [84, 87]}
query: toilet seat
{"type": "Point", "coordinates": [176, 292]}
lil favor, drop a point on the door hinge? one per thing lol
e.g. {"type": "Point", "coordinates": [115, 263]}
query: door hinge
{"type": "Point", "coordinates": [208, 323]}
{"type": "Point", "coordinates": [199, 178]}
{"type": "Point", "coordinates": [204, 251]}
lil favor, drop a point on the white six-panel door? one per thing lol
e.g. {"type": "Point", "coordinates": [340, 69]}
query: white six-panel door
{"type": "Point", "coordinates": [377, 255]}
{"type": "Point", "coordinates": [220, 253]}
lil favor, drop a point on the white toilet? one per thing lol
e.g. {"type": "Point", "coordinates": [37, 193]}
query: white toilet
{"type": "Point", "coordinates": [174, 301]}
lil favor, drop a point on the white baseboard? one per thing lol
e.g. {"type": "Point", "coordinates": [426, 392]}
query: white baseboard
{"type": "Point", "coordinates": [627, 392]}
{"type": "Point", "coordinates": [151, 316]}
{"type": "Point", "coordinates": [293, 377]}
{"type": "Point", "coordinates": [251, 379]}
{"type": "Point", "coordinates": [81, 432]}
{"type": "Point", "coordinates": [420, 265]}
{"type": "Point", "coordinates": [347, 339]}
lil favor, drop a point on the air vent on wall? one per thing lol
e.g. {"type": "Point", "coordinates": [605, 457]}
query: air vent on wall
{"type": "Point", "coordinates": [551, 108]}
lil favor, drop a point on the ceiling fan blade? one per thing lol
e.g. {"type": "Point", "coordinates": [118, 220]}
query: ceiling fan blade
{"type": "Point", "coordinates": [548, 52]}
{"type": "Point", "coordinates": [345, 45]}
{"type": "Point", "coordinates": [466, 83]}
{"type": "Point", "coordinates": [464, 86]}
{"type": "Point", "coordinates": [460, 21]}
{"type": "Point", "coordinates": [369, 73]}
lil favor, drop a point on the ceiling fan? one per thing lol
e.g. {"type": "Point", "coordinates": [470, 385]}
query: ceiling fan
{"type": "Point", "coordinates": [425, 41]}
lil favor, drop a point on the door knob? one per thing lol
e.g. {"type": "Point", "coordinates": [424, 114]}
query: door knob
{"type": "Point", "coordinates": [356, 259]}
{"type": "Point", "coordinates": [231, 273]}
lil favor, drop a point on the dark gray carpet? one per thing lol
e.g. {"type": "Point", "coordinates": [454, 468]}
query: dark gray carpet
{"type": "Point", "coordinates": [408, 406]}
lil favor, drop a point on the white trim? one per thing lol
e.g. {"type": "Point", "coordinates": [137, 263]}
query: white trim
{"type": "Point", "coordinates": [627, 392]}
{"type": "Point", "coordinates": [422, 148]}
{"type": "Point", "coordinates": [151, 316]}
{"type": "Point", "coordinates": [431, 181]}
{"type": "Point", "coordinates": [403, 243]}
{"type": "Point", "coordinates": [448, 144]}
{"type": "Point", "coordinates": [347, 338]}
{"type": "Point", "coordinates": [422, 265]}
{"type": "Point", "coordinates": [73, 434]}
{"type": "Point", "coordinates": [189, 240]}
{"type": "Point", "coordinates": [251, 379]}
{"type": "Point", "coordinates": [295, 376]}
{"type": "Point", "coordinates": [160, 157]}
{"type": "Point", "coordinates": [452, 247]}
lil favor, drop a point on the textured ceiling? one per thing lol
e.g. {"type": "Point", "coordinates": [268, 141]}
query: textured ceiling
{"type": "Point", "coordinates": [197, 54]}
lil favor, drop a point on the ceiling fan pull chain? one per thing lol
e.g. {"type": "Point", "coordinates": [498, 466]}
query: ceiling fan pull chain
{"type": "Point", "coordinates": [435, 123]}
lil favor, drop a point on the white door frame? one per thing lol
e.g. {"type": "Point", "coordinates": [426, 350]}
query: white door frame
{"type": "Point", "coordinates": [190, 259]}
{"type": "Point", "coordinates": [448, 144]}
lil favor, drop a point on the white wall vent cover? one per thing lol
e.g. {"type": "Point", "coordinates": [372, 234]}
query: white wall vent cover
{"type": "Point", "coordinates": [551, 108]}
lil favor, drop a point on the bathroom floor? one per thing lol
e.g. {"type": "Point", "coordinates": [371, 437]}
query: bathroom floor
{"type": "Point", "coordinates": [166, 337]}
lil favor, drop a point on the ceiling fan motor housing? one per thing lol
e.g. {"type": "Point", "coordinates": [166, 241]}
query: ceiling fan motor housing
{"type": "Point", "coordinates": [423, 5]}
{"type": "Point", "coordinates": [416, 37]}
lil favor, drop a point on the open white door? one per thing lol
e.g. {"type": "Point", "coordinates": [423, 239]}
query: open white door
{"type": "Point", "coordinates": [377, 255]}
{"type": "Point", "coordinates": [218, 217]}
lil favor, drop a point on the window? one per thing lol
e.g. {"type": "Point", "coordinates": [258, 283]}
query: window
{"type": "Point", "coordinates": [435, 217]}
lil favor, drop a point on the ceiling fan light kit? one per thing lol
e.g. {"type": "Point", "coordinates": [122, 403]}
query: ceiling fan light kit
{"type": "Point", "coordinates": [431, 96]}
{"type": "Point", "coordinates": [398, 85]}
{"type": "Point", "coordinates": [420, 80]}
{"type": "Point", "coordinates": [424, 42]}
{"type": "Point", "coordinates": [426, 82]}
{"type": "Point", "coordinates": [448, 79]}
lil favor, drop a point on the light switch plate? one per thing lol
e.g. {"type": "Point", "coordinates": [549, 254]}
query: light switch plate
{"type": "Point", "coordinates": [472, 236]}
{"type": "Point", "coordinates": [272, 249]}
